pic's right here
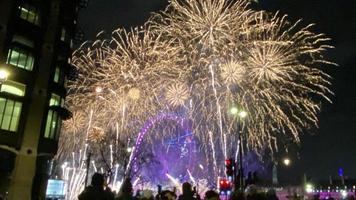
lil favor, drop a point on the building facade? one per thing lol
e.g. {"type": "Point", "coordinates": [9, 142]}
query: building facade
{"type": "Point", "coordinates": [36, 38]}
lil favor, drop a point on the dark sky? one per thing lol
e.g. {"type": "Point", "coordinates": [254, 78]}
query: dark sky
{"type": "Point", "coordinates": [334, 144]}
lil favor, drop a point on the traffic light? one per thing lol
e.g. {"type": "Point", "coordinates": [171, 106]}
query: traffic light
{"type": "Point", "coordinates": [229, 166]}
{"type": "Point", "coordinates": [225, 187]}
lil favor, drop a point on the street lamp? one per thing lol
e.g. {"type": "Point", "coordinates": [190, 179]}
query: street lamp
{"type": "Point", "coordinates": [3, 76]}
{"type": "Point", "coordinates": [234, 111]}
{"type": "Point", "coordinates": [286, 161]}
{"type": "Point", "coordinates": [240, 114]}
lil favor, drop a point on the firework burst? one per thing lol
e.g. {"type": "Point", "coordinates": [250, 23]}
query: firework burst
{"type": "Point", "coordinates": [197, 59]}
{"type": "Point", "coordinates": [177, 94]}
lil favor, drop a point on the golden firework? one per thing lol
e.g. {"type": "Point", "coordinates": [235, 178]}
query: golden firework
{"type": "Point", "coordinates": [96, 134]}
{"type": "Point", "coordinates": [177, 94]}
{"type": "Point", "coordinates": [200, 57]}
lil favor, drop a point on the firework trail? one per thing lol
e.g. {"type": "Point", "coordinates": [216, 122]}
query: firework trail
{"type": "Point", "coordinates": [198, 58]}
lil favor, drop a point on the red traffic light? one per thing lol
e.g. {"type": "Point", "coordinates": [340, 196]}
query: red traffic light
{"type": "Point", "coordinates": [229, 167]}
{"type": "Point", "coordinates": [228, 162]}
{"type": "Point", "coordinates": [225, 185]}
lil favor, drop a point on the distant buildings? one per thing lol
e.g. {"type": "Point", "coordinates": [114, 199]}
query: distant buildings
{"type": "Point", "coordinates": [36, 38]}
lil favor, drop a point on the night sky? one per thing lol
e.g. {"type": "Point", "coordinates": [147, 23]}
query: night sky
{"type": "Point", "coordinates": [328, 148]}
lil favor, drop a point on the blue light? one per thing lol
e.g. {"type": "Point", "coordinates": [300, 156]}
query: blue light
{"type": "Point", "coordinates": [341, 172]}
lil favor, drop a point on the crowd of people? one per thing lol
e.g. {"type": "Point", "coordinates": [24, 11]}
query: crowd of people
{"type": "Point", "coordinates": [98, 191]}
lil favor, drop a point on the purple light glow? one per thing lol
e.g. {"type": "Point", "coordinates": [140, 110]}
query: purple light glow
{"type": "Point", "coordinates": [148, 125]}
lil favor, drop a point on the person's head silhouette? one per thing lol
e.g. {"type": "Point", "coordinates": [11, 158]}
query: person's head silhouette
{"type": "Point", "coordinates": [187, 188]}
{"type": "Point", "coordinates": [97, 180]}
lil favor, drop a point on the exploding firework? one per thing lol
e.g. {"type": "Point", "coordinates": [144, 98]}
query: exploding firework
{"type": "Point", "coordinates": [177, 94]}
{"type": "Point", "coordinates": [96, 134]}
{"type": "Point", "coordinates": [198, 59]}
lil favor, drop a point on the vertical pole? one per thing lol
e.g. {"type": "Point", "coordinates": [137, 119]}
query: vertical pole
{"type": "Point", "coordinates": [241, 163]}
{"type": "Point", "coordinates": [235, 177]}
{"type": "Point", "coordinates": [274, 174]}
{"type": "Point", "coordinates": [87, 170]}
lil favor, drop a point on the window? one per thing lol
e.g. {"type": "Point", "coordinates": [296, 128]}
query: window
{"type": "Point", "coordinates": [10, 111]}
{"type": "Point", "coordinates": [57, 75]}
{"type": "Point", "coordinates": [21, 58]}
{"type": "Point", "coordinates": [23, 40]}
{"type": "Point", "coordinates": [55, 100]}
{"type": "Point", "coordinates": [54, 121]}
{"type": "Point", "coordinates": [63, 34]}
{"type": "Point", "coordinates": [30, 14]}
{"type": "Point", "coordinates": [14, 88]}
{"type": "Point", "coordinates": [53, 125]}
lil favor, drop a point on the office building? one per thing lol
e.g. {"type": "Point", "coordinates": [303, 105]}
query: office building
{"type": "Point", "coordinates": [36, 39]}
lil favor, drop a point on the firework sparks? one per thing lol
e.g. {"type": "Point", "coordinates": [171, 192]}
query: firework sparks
{"type": "Point", "coordinates": [177, 94]}
{"type": "Point", "coordinates": [212, 55]}
{"type": "Point", "coordinates": [96, 134]}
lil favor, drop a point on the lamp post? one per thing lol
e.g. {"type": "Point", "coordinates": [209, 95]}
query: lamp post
{"type": "Point", "coordinates": [284, 162]}
{"type": "Point", "coordinates": [240, 115]}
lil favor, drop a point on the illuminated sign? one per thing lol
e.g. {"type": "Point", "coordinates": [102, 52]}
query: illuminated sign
{"type": "Point", "coordinates": [55, 188]}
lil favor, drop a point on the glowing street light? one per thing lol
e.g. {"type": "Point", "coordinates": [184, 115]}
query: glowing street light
{"type": "Point", "coordinates": [286, 161]}
{"type": "Point", "coordinates": [242, 114]}
{"type": "Point", "coordinates": [3, 76]}
{"type": "Point", "coordinates": [234, 110]}
{"type": "Point", "coordinates": [309, 188]}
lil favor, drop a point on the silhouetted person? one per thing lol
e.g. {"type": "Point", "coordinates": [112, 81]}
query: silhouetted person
{"type": "Point", "coordinates": [138, 194]}
{"type": "Point", "coordinates": [211, 195]}
{"type": "Point", "coordinates": [255, 178]}
{"type": "Point", "coordinates": [316, 197]}
{"type": "Point", "coordinates": [126, 191]}
{"type": "Point", "coordinates": [188, 193]}
{"type": "Point", "coordinates": [271, 195]}
{"type": "Point", "coordinates": [238, 195]}
{"type": "Point", "coordinates": [147, 195]}
{"type": "Point", "coordinates": [168, 195]}
{"type": "Point", "coordinates": [249, 179]}
{"type": "Point", "coordinates": [253, 193]}
{"type": "Point", "coordinates": [96, 190]}
{"type": "Point", "coordinates": [350, 197]}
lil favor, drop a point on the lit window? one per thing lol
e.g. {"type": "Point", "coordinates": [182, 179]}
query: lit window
{"type": "Point", "coordinates": [55, 100]}
{"type": "Point", "coordinates": [14, 88]}
{"type": "Point", "coordinates": [10, 112]}
{"type": "Point", "coordinates": [53, 125]}
{"type": "Point", "coordinates": [63, 34]}
{"type": "Point", "coordinates": [57, 75]}
{"type": "Point", "coordinates": [30, 14]}
{"type": "Point", "coordinates": [54, 121]}
{"type": "Point", "coordinates": [20, 58]}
